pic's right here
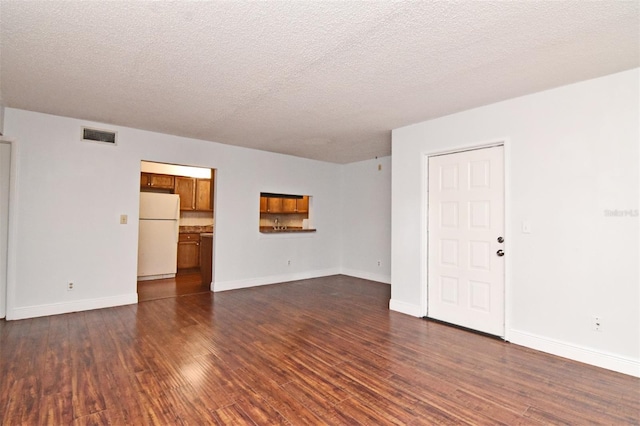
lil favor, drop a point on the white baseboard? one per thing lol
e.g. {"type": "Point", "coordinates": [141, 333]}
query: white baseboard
{"type": "Point", "coordinates": [155, 277]}
{"type": "Point", "coordinates": [273, 279]}
{"type": "Point", "coordinates": [67, 307]}
{"type": "Point", "coordinates": [577, 353]}
{"type": "Point", "coordinates": [367, 275]}
{"type": "Point", "coordinates": [405, 308]}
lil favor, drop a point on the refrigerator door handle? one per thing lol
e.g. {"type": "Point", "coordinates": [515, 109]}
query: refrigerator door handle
{"type": "Point", "coordinates": [177, 216]}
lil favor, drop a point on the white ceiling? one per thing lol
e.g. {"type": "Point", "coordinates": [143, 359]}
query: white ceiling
{"type": "Point", "coordinates": [315, 79]}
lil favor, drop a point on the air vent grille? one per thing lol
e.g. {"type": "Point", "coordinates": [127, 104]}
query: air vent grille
{"type": "Point", "coordinates": [96, 135]}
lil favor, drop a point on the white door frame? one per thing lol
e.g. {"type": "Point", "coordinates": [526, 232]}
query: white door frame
{"type": "Point", "coordinates": [12, 229]}
{"type": "Point", "coordinates": [424, 223]}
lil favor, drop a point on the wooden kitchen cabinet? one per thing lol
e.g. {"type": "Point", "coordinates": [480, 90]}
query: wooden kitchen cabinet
{"type": "Point", "coordinates": [204, 199]}
{"type": "Point", "coordinates": [284, 205]}
{"type": "Point", "coordinates": [195, 194]}
{"type": "Point", "coordinates": [145, 179]}
{"type": "Point", "coordinates": [288, 205]}
{"type": "Point", "coordinates": [156, 181]}
{"type": "Point", "coordinates": [185, 187]}
{"type": "Point", "coordinates": [302, 204]}
{"type": "Point", "coordinates": [188, 251]}
{"type": "Point", "coordinates": [274, 205]}
{"type": "Point", "coordinates": [206, 258]}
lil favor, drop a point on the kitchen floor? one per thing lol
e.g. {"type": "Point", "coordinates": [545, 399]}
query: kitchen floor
{"type": "Point", "coordinates": [187, 281]}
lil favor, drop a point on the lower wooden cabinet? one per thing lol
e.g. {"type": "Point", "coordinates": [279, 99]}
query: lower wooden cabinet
{"type": "Point", "coordinates": [188, 251]}
{"type": "Point", "coordinates": [206, 258]}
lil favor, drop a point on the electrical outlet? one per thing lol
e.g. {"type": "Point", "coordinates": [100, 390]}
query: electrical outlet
{"type": "Point", "coordinates": [379, 263]}
{"type": "Point", "coordinates": [596, 323]}
{"type": "Point", "coordinates": [288, 263]}
{"type": "Point", "coordinates": [70, 286]}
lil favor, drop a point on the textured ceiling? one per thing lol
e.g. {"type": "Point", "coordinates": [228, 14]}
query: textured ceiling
{"type": "Point", "coordinates": [315, 79]}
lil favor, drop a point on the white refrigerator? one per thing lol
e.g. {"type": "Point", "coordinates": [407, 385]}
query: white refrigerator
{"type": "Point", "coordinates": [158, 235]}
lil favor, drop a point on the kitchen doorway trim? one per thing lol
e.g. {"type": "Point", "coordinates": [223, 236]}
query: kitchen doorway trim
{"type": "Point", "coordinates": [8, 299]}
{"type": "Point", "coordinates": [213, 177]}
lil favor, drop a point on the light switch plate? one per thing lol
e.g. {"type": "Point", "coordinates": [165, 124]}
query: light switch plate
{"type": "Point", "coordinates": [123, 219]}
{"type": "Point", "coordinates": [526, 227]}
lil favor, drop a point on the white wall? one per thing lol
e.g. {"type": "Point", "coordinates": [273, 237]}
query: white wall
{"type": "Point", "coordinates": [572, 153]}
{"type": "Point", "coordinates": [71, 194]}
{"type": "Point", "coordinates": [1, 118]}
{"type": "Point", "coordinates": [366, 219]}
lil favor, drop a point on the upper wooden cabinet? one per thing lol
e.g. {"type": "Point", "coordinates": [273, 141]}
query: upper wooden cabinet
{"type": "Point", "coordinates": [204, 200]}
{"type": "Point", "coordinates": [274, 205]}
{"type": "Point", "coordinates": [186, 189]}
{"type": "Point", "coordinates": [155, 181]}
{"type": "Point", "coordinates": [288, 205]}
{"type": "Point", "coordinates": [195, 194]}
{"type": "Point", "coordinates": [284, 204]}
{"type": "Point", "coordinates": [302, 204]}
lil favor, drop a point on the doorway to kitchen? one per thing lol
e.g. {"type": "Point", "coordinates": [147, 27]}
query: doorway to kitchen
{"type": "Point", "coordinates": [176, 230]}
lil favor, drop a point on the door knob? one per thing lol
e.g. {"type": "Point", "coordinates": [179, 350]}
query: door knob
{"type": "Point", "coordinates": [500, 240]}
{"type": "Point", "coordinates": [500, 253]}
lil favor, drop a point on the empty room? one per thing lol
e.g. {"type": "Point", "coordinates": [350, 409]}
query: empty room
{"type": "Point", "coordinates": [319, 212]}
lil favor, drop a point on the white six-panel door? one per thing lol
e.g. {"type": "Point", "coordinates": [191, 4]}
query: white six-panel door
{"type": "Point", "coordinates": [465, 222]}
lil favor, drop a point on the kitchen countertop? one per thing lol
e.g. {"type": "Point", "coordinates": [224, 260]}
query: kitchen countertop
{"type": "Point", "coordinates": [196, 229]}
{"type": "Point", "coordinates": [270, 230]}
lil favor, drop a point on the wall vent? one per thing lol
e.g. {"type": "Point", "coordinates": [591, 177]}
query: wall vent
{"type": "Point", "coordinates": [96, 135]}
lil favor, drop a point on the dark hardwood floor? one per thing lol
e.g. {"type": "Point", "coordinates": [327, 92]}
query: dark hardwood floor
{"type": "Point", "coordinates": [187, 281]}
{"type": "Point", "coordinates": [320, 351]}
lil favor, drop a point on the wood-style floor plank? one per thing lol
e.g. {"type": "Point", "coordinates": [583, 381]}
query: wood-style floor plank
{"type": "Point", "coordinates": [185, 282]}
{"type": "Point", "coordinates": [321, 351]}
{"type": "Point", "coordinates": [55, 409]}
